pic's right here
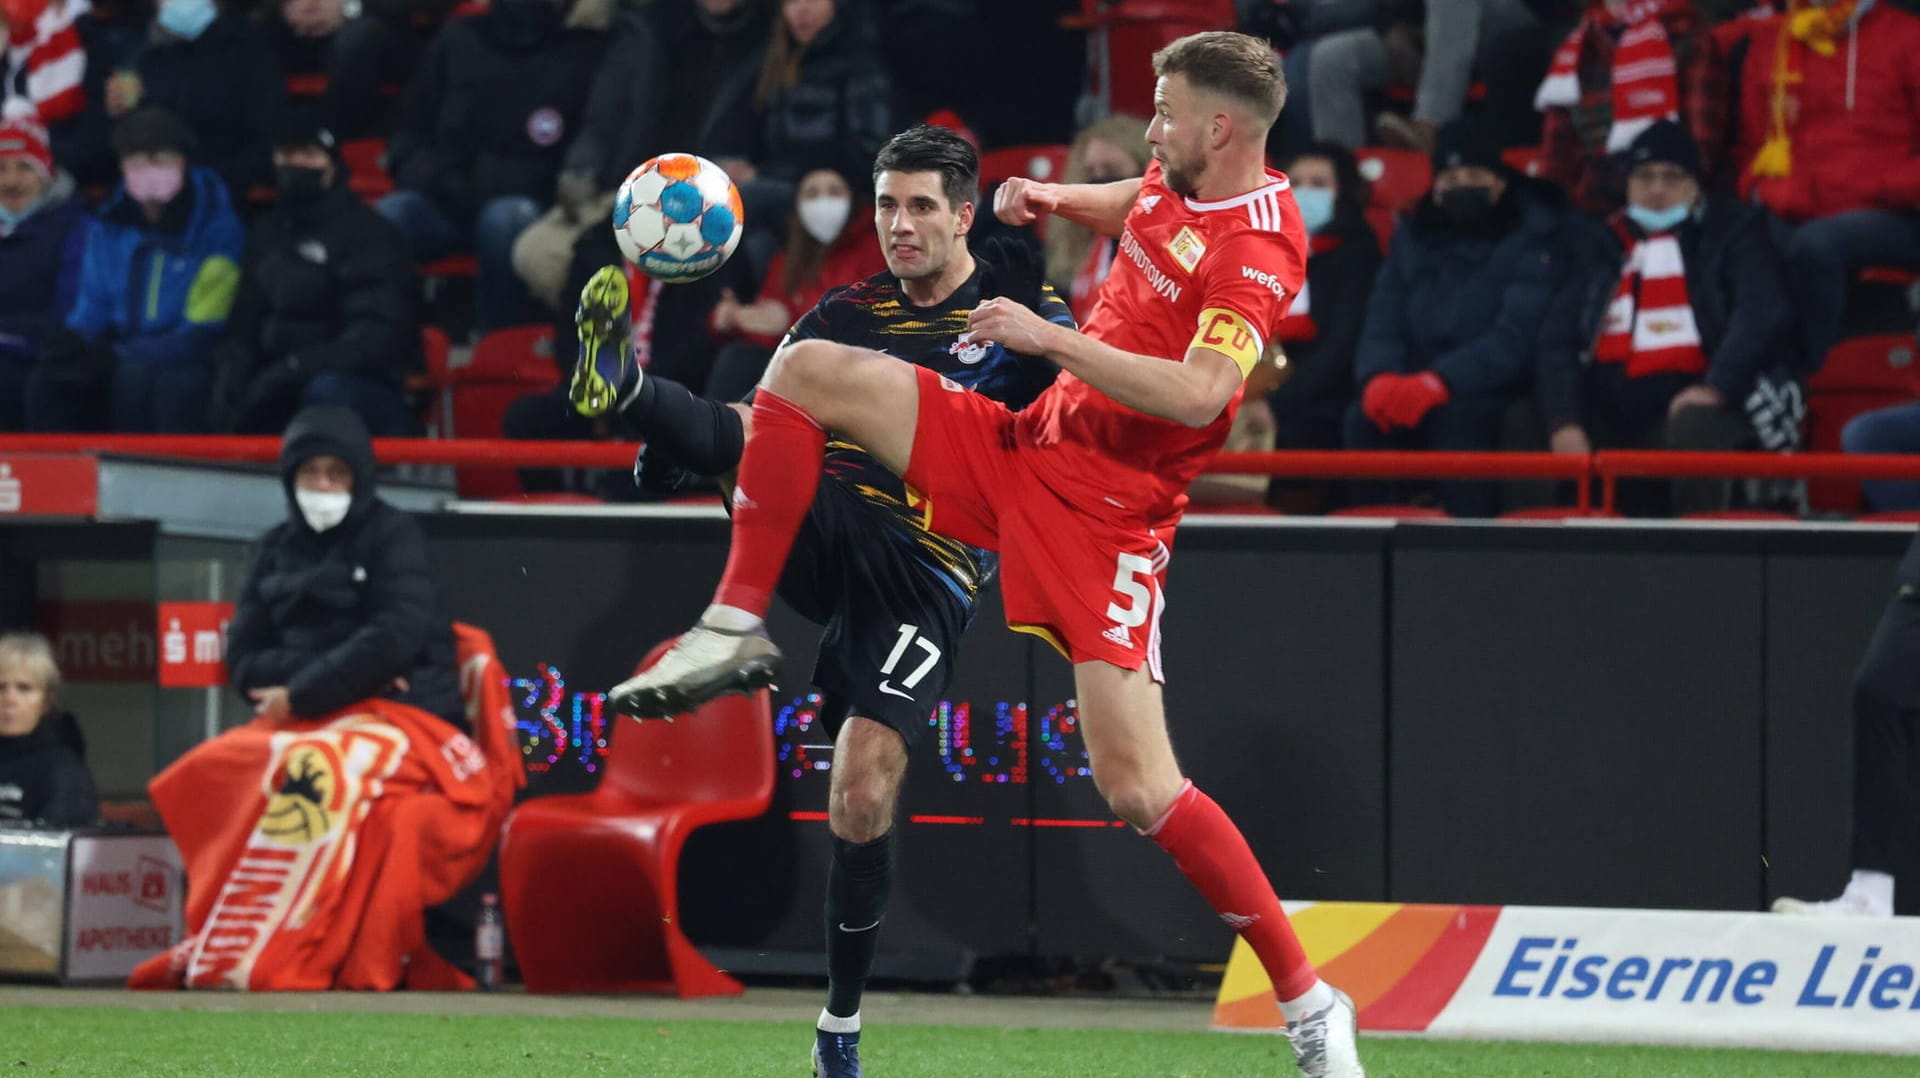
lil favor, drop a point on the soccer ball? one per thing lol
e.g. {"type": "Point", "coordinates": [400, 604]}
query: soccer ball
{"type": "Point", "coordinates": [677, 217]}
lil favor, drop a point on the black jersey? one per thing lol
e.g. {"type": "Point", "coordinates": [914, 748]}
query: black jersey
{"type": "Point", "coordinates": [875, 313]}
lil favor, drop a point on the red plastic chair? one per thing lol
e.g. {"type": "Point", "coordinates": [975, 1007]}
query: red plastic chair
{"type": "Point", "coordinates": [1828, 413]}
{"type": "Point", "coordinates": [1399, 177]}
{"type": "Point", "coordinates": [506, 365]}
{"type": "Point", "coordinates": [1739, 514]}
{"type": "Point", "coordinates": [1879, 364]}
{"type": "Point", "coordinates": [1394, 512]}
{"type": "Point", "coordinates": [366, 173]}
{"type": "Point", "coordinates": [590, 882]}
{"type": "Point", "coordinates": [1557, 512]}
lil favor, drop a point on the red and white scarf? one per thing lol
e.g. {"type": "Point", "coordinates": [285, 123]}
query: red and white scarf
{"type": "Point", "coordinates": [55, 63]}
{"type": "Point", "coordinates": [1649, 325]}
{"type": "Point", "coordinates": [1645, 86]}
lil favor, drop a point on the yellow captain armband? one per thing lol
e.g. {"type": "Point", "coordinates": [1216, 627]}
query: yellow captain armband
{"type": "Point", "coordinates": [1227, 333]}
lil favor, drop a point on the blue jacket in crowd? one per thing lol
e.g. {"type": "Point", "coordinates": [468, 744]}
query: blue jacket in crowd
{"type": "Point", "coordinates": [1465, 302]}
{"type": "Point", "coordinates": [164, 293]}
{"type": "Point", "coordinates": [40, 271]}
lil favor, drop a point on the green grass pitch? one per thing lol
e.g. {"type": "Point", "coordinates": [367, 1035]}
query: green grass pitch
{"type": "Point", "coordinates": [121, 1041]}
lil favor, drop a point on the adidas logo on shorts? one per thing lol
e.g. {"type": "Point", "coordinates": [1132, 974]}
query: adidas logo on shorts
{"type": "Point", "coordinates": [1119, 635]}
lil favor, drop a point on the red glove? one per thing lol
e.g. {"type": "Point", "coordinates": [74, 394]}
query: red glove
{"type": "Point", "coordinates": [1418, 394]}
{"type": "Point", "coordinates": [1376, 403]}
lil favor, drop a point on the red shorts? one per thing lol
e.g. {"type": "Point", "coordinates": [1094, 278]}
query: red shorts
{"type": "Point", "coordinates": [1091, 585]}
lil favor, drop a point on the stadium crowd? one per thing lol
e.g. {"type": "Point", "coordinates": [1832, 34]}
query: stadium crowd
{"type": "Point", "coordinates": [1633, 223]}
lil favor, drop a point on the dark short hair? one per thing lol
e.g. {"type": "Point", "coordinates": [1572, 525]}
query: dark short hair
{"type": "Point", "coordinates": [933, 149]}
{"type": "Point", "coordinates": [1236, 65]}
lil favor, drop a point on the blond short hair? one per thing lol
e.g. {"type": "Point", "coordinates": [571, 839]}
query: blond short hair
{"type": "Point", "coordinates": [1233, 65]}
{"type": "Point", "coordinates": [32, 651]}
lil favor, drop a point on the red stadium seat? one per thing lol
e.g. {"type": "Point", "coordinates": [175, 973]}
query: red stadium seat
{"type": "Point", "coordinates": [1898, 516]}
{"type": "Point", "coordinates": [1393, 512]}
{"type": "Point", "coordinates": [1399, 177]}
{"type": "Point", "coordinates": [1044, 163]}
{"type": "Point", "coordinates": [1828, 413]}
{"type": "Point", "coordinates": [1739, 514]}
{"type": "Point", "coordinates": [314, 85]}
{"type": "Point", "coordinates": [506, 365]}
{"type": "Point", "coordinates": [451, 266]}
{"type": "Point", "coordinates": [1557, 512]}
{"type": "Point", "coordinates": [1128, 32]}
{"type": "Point", "coordinates": [1882, 363]}
{"type": "Point", "coordinates": [366, 173]}
{"type": "Point", "coordinates": [590, 882]}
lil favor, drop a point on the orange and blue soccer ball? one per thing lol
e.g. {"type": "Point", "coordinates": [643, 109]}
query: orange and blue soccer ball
{"type": "Point", "coordinates": [678, 218]}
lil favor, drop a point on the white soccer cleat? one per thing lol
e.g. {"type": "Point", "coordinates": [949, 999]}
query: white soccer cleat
{"type": "Point", "coordinates": [1847, 905]}
{"type": "Point", "coordinates": [703, 664]}
{"type": "Point", "coordinates": [1326, 1043]}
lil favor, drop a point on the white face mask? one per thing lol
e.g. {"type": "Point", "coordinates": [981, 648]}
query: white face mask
{"type": "Point", "coordinates": [823, 218]}
{"type": "Point", "coordinates": [324, 509]}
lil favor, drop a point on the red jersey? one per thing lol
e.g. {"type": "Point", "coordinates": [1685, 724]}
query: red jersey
{"type": "Point", "coordinates": [1214, 275]}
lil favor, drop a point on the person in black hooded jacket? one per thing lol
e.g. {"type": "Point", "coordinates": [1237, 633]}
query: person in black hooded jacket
{"type": "Point", "coordinates": [481, 137]}
{"type": "Point", "coordinates": [338, 606]}
{"type": "Point", "coordinates": [43, 765]}
{"type": "Point", "coordinates": [325, 311]}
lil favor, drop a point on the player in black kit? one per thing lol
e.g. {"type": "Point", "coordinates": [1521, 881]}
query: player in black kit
{"type": "Point", "coordinates": [893, 597]}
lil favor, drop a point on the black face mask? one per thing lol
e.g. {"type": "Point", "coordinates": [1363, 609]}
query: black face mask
{"type": "Point", "coordinates": [1467, 205]}
{"type": "Point", "coordinates": [299, 183]}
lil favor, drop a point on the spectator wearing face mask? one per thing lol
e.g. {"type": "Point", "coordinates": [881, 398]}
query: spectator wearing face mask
{"type": "Point", "coordinates": [1670, 314]}
{"type": "Point", "coordinates": [338, 605]}
{"type": "Point", "coordinates": [42, 236]}
{"type": "Point", "coordinates": [1078, 259]}
{"type": "Point", "coordinates": [1322, 329]}
{"type": "Point", "coordinates": [1448, 341]}
{"type": "Point", "coordinates": [216, 71]}
{"type": "Point", "coordinates": [157, 282]}
{"type": "Point", "coordinates": [828, 245]}
{"type": "Point", "coordinates": [325, 313]}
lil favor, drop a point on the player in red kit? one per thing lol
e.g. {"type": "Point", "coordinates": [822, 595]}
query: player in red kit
{"type": "Point", "coordinates": [1081, 491]}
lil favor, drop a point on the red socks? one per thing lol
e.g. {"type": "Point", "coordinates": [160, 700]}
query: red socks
{"type": "Point", "coordinates": [779, 472]}
{"type": "Point", "coordinates": [1210, 851]}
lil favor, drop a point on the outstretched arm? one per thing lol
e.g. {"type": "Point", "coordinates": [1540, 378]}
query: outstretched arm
{"type": "Point", "coordinates": [1102, 207]}
{"type": "Point", "coordinates": [1192, 392]}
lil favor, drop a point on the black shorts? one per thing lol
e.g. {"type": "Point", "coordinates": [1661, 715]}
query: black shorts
{"type": "Point", "coordinates": [893, 617]}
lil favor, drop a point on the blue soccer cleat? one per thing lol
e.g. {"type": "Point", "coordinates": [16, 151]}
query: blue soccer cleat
{"type": "Point", "coordinates": [836, 1055]}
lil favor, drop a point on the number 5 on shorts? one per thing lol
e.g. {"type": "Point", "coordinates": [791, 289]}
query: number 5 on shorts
{"type": "Point", "coordinates": [1126, 581]}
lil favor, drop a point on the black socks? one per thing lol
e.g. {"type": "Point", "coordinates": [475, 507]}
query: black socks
{"type": "Point", "coordinates": [703, 436]}
{"type": "Point", "coordinates": [856, 899]}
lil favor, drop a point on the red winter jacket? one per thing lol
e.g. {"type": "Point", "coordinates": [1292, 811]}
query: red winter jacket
{"type": "Point", "coordinates": [1855, 121]}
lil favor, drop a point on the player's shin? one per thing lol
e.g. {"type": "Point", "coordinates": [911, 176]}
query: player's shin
{"type": "Point", "coordinates": [857, 892]}
{"type": "Point", "coordinates": [779, 473]}
{"type": "Point", "coordinates": [1211, 852]}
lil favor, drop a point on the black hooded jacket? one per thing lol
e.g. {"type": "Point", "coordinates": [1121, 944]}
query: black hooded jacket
{"type": "Point", "coordinates": [43, 775]}
{"type": "Point", "coordinates": [328, 286]}
{"type": "Point", "coordinates": [336, 616]}
{"type": "Point", "coordinates": [494, 104]}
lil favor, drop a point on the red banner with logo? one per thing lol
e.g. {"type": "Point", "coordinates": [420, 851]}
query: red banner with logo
{"type": "Point", "coordinates": [40, 485]}
{"type": "Point", "coordinates": [193, 644]}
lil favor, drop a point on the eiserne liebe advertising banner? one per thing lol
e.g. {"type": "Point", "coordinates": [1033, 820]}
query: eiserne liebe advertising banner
{"type": "Point", "coordinates": [1644, 976]}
